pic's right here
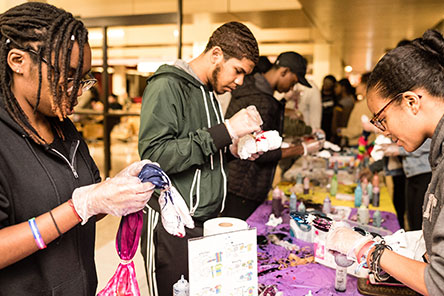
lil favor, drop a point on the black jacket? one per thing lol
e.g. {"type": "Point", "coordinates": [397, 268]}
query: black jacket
{"type": "Point", "coordinates": [33, 180]}
{"type": "Point", "coordinates": [253, 179]}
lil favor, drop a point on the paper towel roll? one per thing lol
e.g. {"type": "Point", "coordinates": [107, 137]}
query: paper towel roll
{"type": "Point", "coordinates": [222, 225]}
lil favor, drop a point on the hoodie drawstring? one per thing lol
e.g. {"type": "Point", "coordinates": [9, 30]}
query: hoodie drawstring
{"type": "Point", "coordinates": [208, 119]}
{"type": "Point", "coordinates": [224, 176]}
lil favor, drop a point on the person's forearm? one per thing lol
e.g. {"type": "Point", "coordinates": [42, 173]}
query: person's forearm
{"type": "Point", "coordinates": [292, 151]}
{"type": "Point", "coordinates": [408, 271]}
{"type": "Point", "coordinates": [17, 241]}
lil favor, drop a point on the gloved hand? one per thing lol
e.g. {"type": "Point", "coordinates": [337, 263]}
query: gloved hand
{"type": "Point", "coordinates": [390, 149]}
{"type": "Point", "coordinates": [174, 211]}
{"type": "Point", "coordinates": [319, 134]}
{"type": "Point", "coordinates": [244, 122]}
{"type": "Point", "coordinates": [118, 196]}
{"type": "Point", "coordinates": [312, 147]}
{"type": "Point", "coordinates": [346, 241]}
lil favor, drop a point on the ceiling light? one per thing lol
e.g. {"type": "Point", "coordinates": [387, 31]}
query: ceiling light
{"type": "Point", "coordinates": [348, 69]}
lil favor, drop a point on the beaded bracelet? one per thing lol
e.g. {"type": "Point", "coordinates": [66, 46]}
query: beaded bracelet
{"type": "Point", "coordinates": [36, 233]}
{"type": "Point", "coordinates": [375, 266]}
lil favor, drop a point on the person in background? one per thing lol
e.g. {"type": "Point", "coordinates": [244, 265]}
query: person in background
{"type": "Point", "coordinates": [308, 101]}
{"type": "Point", "coordinates": [346, 97]}
{"type": "Point", "coordinates": [263, 65]}
{"type": "Point", "coordinates": [418, 175]}
{"type": "Point", "coordinates": [250, 181]}
{"type": "Point", "coordinates": [114, 103]}
{"type": "Point", "coordinates": [328, 102]}
{"type": "Point", "coordinates": [183, 129]}
{"type": "Point", "coordinates": [406, 95]}
{"type": "Point", "coordinates": [353, 130]}
{"type": "Point", "coordinates": [50, 189]}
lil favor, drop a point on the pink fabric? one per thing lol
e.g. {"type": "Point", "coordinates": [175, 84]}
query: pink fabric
{"type": "Point", "coordinates": [124, 281]}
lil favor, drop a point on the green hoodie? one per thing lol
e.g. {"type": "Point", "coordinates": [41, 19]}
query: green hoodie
{"type": "Point", "coordinates": [181, 128]}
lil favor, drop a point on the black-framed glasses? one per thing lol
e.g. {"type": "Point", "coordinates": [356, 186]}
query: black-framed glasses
{"type": "Point", "coordinates": [85, 83]}
{"type": "Point", "coordinates": [379, 123]}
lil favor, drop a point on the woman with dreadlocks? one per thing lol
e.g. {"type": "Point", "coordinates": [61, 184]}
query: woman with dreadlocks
{"type": "Point", "coordinates": [48, 192]}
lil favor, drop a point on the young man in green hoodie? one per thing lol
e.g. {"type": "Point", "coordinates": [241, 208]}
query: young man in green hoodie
{"type": "Point", "coordinates": [182, 128]}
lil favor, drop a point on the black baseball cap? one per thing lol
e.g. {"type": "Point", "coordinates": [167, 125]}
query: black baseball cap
{"type": "Point", "coordinates": [296, 63]}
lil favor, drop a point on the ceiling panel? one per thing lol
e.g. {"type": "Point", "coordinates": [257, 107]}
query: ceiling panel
{"type": "Point", "coordinates": [365, 29]}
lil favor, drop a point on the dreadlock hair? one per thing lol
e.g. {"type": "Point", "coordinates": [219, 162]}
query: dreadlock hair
{"type": "Point", "coordinates": [236, 41]}
{"type": "Point", "coordinates": [48, 34]}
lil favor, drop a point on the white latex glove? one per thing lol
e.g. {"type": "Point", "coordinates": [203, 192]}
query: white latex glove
{"type": "Point", "coordinates": [174, 213]}
{"type": "Point", "coordinates": [118, 196]}
{"type": "Point", "coordinates": [312, 147]}
{"type": "Point", "coordinates": [319, 134]}
{"type": "Point", "coordinates": [245, 121]}
{"type": "Point", "coordinates": [346, 241]}
{"type": "Point", "coordinates": [390, 149]}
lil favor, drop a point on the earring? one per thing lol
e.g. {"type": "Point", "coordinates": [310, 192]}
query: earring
{"type": "Point", "coordinates": [18, 71]}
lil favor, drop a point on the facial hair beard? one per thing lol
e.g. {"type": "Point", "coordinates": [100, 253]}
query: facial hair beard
{"type": "Point", "coordinates": [214, 79]}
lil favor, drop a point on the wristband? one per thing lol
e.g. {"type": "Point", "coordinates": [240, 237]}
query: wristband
{"type": "Point", "coordinates": [364, 251]}
{"type": "Point", "coordinates": [36, 233]}
{"type": "Point", "coordinates": [55, 224]}
{"type": "Point", "coordinates": [71, 204]}
{"type": "Point", "coordinates": [230, 130]}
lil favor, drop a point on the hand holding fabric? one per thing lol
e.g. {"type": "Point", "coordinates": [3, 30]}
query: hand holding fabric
{"type": "Point", "coordinates": [313, 146]}
{"type": "Point", "coordinates": [390, 149]}
{"type": "Point", "coordinates": [346, 241]}
{"type": "Point", "coordinates": [118, 196]}
{"type": "Point", "coordinates": [245, 121]}
{"type": "Point", "coordinates": [174, 211]}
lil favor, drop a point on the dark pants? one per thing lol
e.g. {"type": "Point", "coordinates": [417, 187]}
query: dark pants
{"type": "Point", "coordinates": [239, 207]}
{"type": "Point", "coordinates": [416, 188]}
{"type": "Point", "coordinates": [399, 197]}
{"type": "Point", "coordinates": [171, 257]}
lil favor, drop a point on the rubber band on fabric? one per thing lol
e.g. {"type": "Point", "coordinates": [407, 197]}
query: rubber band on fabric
{"type": "Point", "coordinates": [36, 233]}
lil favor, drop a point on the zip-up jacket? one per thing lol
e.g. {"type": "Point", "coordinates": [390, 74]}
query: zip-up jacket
{"type": "Point", "coordinates": [433, 215]}
{"type": "Point", "coordinates": [34, 179]}
{"type": "Point", "coordinates": [181, 128]}
{"type": "Point", "coordinates": [252, 179]}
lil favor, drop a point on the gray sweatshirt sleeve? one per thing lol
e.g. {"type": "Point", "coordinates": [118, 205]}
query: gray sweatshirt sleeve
{"type": "Point", "coordinates": [434, 272]}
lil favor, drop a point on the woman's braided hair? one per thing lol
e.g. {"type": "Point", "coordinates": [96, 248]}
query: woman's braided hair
{"type": "Point", "coordinates": [48, 34]}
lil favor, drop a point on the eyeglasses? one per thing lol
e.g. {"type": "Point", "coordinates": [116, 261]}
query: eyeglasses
{"type": "Point", "coordinates": [85, 83]}
{"type": "Point", "coordinates": [379, 123]}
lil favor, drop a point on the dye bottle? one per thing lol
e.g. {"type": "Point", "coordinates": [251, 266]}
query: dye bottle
{"type": "Point", "coordinates": [293, 202]}
{"type": "Point", "coordinates": [376, 196]}
{"type": "Point", "coordinates": [341, 272]}
{"type": "Point", "coordinates": [377, 218]}
{"type": "Point", "coordinates": [276, 203]}
{"type": "Point", "coordinates": [334, 185]}
{"type": "Point", "coordinates": [326, 207]}
{"type": "Point", "coordinates": [358, 196]}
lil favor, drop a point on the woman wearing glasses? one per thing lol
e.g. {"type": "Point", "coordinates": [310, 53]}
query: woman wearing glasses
{"type": "Point", "coordinates": [406, 94]}
{"type": "Point", "coordinates": [48, 195]}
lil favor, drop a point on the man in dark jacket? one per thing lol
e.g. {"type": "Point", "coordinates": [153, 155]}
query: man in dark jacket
{"type": "Point", "coordinates": [250, 181]}
{"type": "Point", "coordinates": [183, 129]}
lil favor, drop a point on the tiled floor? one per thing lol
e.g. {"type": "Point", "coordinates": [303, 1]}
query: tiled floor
{"type": "Point", "coordinates": [107, 259]}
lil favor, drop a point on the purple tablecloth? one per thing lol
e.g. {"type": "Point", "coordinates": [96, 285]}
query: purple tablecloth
{"type": "Point", "coordinates": [300, 279]}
